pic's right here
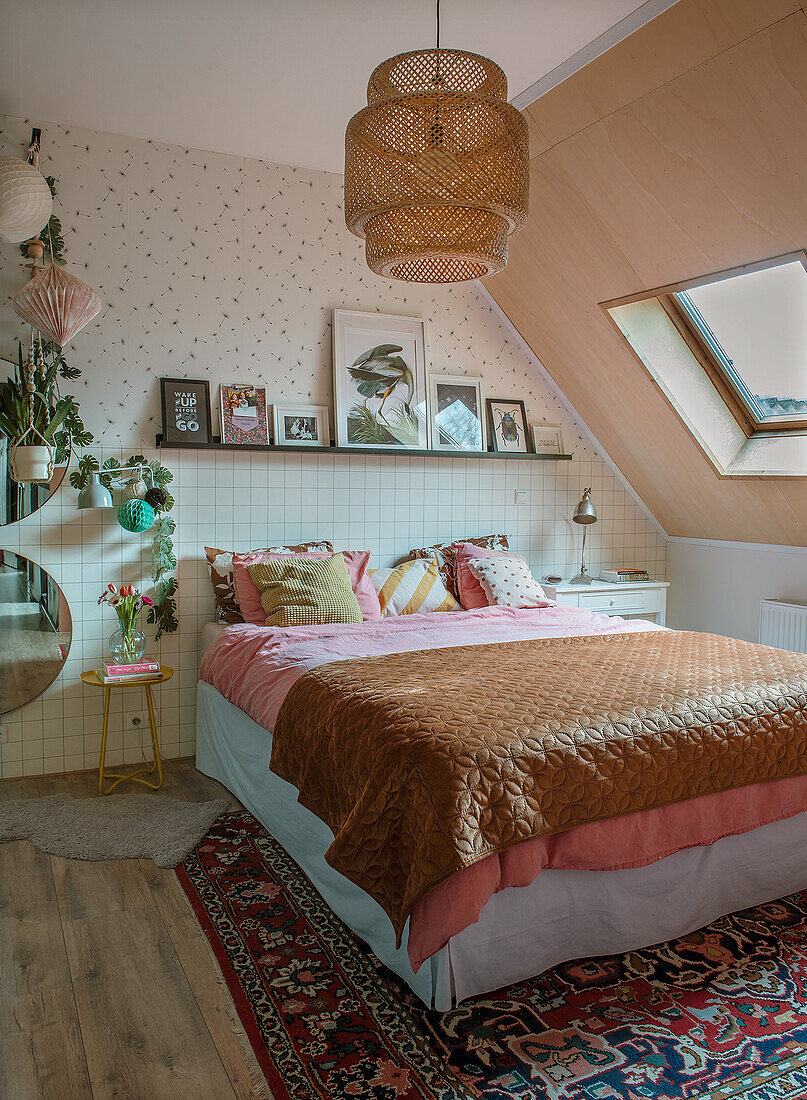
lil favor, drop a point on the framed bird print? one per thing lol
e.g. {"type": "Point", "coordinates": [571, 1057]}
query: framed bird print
{"type": "Point", "coordinates": [379, 380]}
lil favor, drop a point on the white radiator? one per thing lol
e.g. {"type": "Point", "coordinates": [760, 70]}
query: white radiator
{"type": "Point", "coordinates": [783, 624]}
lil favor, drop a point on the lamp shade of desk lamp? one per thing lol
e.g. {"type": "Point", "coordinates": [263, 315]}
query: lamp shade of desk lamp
{"type": "Point", "coordinates": [585, 513]}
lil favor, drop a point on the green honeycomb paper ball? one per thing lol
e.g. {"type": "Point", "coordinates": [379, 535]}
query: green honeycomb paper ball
{"type": "Point", "coordinates": [135, 515]}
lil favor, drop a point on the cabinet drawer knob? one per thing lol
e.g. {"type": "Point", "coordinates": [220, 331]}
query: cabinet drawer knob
{"type": "Point", "coordinates": [612, 603]}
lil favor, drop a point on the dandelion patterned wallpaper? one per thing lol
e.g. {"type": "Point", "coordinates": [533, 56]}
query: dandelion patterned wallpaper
{"type": "Point", "coordinates": [227, 268]}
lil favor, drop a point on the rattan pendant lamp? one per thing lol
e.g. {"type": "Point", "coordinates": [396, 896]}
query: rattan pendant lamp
{"type": "Point", "coordinates": [436, 167]}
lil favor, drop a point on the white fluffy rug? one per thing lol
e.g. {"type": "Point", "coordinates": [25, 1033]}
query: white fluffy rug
{"type": "Point", "coordinates": [130, 826]}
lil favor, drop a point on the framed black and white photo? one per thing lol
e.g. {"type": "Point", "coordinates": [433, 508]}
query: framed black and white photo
{"type": "Point", "coordinates": [302, 425]}
{"type": "Point", "coordinates": [186, 410]}
{"type": "Point", "coordinates": [457, 417]}
{"type": "Point", "coordinates": [547, 439]}
{"type": "Point", "coordinates": [379, 374]}
{"type": "Point", "coordinates": [507, 425]}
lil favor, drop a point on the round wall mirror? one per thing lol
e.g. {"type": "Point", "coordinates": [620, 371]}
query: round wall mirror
{"type": "Point", "coordinates": [36, 629]}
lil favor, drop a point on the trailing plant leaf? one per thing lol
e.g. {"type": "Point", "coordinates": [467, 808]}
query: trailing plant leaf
{"type": "Point", "coordinates": [87, 465]}
{"type": "Point", "coordinates": [109, 472]}
{"type": "Point", "coordinates": [164, 612]}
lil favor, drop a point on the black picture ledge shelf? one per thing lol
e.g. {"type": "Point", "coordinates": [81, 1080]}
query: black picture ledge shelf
{"type": "Point", "coordinates": [406, 452]}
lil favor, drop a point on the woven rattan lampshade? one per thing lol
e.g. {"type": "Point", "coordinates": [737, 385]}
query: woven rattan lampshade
{"type": "Point", "coordinates": [436, 168]}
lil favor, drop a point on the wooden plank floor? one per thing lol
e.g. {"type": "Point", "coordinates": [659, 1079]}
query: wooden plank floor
{"type": "Point", "coordinates": [107, 988]}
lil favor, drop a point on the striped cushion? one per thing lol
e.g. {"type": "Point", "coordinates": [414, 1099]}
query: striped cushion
{"type": "Point", "coordinates": [304, 591]}
{"type": "Point", "coordinates": [412, 588]}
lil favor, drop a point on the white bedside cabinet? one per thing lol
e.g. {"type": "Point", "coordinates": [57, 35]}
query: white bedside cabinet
{"type": "Point", "coordinates": [634, 599]}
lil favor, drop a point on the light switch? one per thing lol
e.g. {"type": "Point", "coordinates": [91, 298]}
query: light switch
{"type": "Point", "coordinates": [521, 496]}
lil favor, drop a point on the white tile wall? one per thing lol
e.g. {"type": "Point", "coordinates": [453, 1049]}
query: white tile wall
{"type": "Point", "coordinates": [226, 268]}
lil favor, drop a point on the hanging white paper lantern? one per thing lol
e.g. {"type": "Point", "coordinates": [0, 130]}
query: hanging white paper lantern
{"type": "Point", "coordinates": [25, 200]}
{"type": "Point", "coordinates": [57, 303]}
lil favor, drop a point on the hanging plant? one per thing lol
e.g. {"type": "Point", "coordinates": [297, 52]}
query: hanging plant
{"type": "Point", "coordinates": [56, 418]}
{"type": "Point", "coordinates": [163, 559]}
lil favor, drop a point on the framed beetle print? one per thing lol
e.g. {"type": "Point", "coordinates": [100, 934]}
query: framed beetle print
{"type": "Point", "coordinates": [507, 425]}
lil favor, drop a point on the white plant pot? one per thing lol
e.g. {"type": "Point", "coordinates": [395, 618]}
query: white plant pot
{"type": "Point", "coordinates": [31, 463]}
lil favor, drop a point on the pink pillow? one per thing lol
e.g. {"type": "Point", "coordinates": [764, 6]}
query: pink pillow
{"type": "Point", "coordinates": [471, 592]}
{"type": "Point", "coordinates": [249, 598]}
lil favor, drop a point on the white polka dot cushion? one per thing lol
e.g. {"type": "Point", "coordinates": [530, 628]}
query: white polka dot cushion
{"type": "Point", "coordinates": [508, 582]}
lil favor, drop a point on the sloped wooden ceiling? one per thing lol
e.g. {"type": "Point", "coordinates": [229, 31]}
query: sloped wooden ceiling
{"type": "Point", "coordinates": [681, 152]}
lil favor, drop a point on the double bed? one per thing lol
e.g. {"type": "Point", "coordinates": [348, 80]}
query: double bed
{"type": "Point", "coordinates": [481, 795]}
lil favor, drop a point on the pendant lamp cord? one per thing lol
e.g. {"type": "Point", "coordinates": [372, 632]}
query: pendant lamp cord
{"type": "Point", "coordinates": [438, 24]}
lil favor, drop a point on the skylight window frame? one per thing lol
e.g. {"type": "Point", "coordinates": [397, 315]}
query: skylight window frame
{"type": "Point", "coordinates": [707, 349]}
{"type": "Point", "coordinates": [711, 346]}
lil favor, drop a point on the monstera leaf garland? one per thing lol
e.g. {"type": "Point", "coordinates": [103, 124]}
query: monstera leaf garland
{"type": "Point", "coordinates": [381, 373]}
{"type": "Point", "coordinates": [163, 558]}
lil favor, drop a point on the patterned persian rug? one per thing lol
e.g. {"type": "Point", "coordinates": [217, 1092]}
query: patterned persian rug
{"type": "Point", "coordinates": [720, 1014]}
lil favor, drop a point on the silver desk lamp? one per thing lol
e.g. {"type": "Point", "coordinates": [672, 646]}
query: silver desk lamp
{"type": "Point", "coordinates": [585, 513]}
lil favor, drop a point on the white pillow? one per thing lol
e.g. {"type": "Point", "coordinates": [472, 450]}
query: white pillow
{"type": "Point", "coordinates": [507, 582]}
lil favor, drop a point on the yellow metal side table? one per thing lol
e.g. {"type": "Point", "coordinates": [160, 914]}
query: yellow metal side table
{"type": "Point", "coordinates": [92, 678]}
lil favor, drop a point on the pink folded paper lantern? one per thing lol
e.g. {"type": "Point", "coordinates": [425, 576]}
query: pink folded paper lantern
{"type": "Point", "coordinates": [57, 303]}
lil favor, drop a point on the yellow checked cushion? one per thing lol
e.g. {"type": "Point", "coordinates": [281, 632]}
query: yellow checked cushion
{"type": "Point", "coordinates": [305, 591]}
{"type": "Point", "coordinates": [413, 588]}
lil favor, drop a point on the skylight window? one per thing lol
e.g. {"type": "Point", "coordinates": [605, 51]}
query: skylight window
{"type": "Point", "coordinates": [753, 327]}
{"type": "Point", "coordinates": [729, 352]}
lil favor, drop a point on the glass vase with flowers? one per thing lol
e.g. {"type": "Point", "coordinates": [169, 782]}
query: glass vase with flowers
{"type": "Point", "coordinates": [128, 644]}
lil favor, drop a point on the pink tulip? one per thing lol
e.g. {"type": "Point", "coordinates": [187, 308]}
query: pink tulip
{"type": "Point", "coordinates": [146, 600]}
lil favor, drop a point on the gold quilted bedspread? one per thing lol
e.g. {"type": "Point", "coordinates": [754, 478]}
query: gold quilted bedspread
{"type": "Point", "coordinates": [423, 763]}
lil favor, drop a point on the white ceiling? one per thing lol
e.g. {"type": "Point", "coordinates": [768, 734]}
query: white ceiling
{"type": "Point", "coordinates": [275, 79]}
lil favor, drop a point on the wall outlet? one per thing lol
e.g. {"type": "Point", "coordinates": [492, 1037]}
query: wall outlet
{"type": "Point", "coordinates": [137, 720]}
{"type": "Point", "coordinates": [520, 496]}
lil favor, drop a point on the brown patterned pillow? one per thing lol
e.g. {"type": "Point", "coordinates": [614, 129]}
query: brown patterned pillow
{"type": "Point", "coordinates": [220, 565]}
{"type": "Point", "coordinates": [446, 558]}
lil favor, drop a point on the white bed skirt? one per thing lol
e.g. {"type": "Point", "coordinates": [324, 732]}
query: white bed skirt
{"type": "Point", "coordinates": [522, 931]}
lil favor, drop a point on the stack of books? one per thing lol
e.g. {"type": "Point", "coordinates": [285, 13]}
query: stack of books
{"type": "Point", "coordinates": [623, 576]}
{"type": "Point", "coordinates": [145, 669]}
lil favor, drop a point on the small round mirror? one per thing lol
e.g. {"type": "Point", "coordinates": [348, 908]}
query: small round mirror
{"type": "Point", "coordinates": [36, 629]}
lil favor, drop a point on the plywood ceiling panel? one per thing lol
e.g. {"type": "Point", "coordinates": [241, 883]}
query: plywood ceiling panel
{"type": "Point", "coordinates": [702, 173]}
{"type": "Point", "coordinates": [676, 41]}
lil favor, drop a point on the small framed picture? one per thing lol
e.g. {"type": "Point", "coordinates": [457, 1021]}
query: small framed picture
{"type": "Point", "coordinates": [507, 425]}
{"type": "Point", "coordinates": [302, 425]}
{"type": "Point", "coordinates": [186, 410]}
{"type": "Point", "coordinates": [379, 380]}
{"type": "Point", "coordinates": [243, 415]}
{"type": "Point", "coordinates": [547, 439]}
{"type": "Point", "coordinates": [458, 420]}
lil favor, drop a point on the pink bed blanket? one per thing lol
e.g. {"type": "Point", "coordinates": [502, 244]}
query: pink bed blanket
{"type": "Point", "coordinates": [255, 667]}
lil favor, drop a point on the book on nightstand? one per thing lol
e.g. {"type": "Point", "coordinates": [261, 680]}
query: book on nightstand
{"type": "Point", "coordinates": [112, 673]}
{"type": "Point", "coordinates": [624, 576]}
